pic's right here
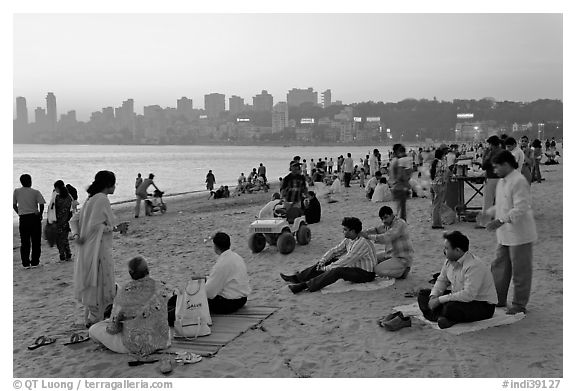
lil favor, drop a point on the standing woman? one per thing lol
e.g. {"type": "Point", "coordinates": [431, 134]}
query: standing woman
{"type": "Point", "coordinates": [63, 206]}
{"type": "Point", "coordinates": [94, 284]}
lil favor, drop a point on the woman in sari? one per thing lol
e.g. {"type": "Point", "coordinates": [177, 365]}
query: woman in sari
{"type": "Point", "coordinates": [63, 205]}
{"type": "Point", "coordinates": [94, 284]}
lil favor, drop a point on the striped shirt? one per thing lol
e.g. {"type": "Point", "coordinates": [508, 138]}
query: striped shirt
{"type": "Point", "coordinates": [359, 252]}
{"type": "Point", "coordinates": [442, 172]}
{"type": "Point", "coordinates": [396, 239]}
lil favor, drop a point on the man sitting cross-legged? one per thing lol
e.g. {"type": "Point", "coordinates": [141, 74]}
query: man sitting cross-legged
{"type": "Point", "coordinates": [397, 258]}
{"type": "Point", "coordinates": [473, 294]}
{"type": "Point", "coordinates": [352, 260]}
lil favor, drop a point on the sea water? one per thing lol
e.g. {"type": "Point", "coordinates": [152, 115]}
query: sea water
{"type": "Point", "coordinates": [177, 168]}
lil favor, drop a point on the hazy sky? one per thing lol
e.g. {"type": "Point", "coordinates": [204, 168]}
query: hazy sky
{"type": "Point", "coordinates": [95, 60]}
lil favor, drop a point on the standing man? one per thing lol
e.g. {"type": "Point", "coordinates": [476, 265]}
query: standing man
{"type": "Point", "coordinates": [348, 169]}
{"type": "Point", "coordinates": [399, 178]}
{"type": "Point", "coordinates": [440, 174]}
{"type": "Point", "coordinates": [330, 165]}
{"type": "Point", "coordinates": [373, 162]}
{"type": "Point", "coordinates": [138, 180]}
{"type": "Point", "coordinates": [142, 192]}
{"type": "Point", "coordinates": [397, 258]}
{"type": "Point", "coordinates": [262, 172]}
{"type": "Point", "coordinates": [210, 180]}
{"type": "Point", "coordinates": [29, 204]}
{"type": "Point", "coordinates": [293, 188]}
{"type": "Point", "coordinates": [512, 146]}
{"type": "Point", "coordinates": [515, 232]}
{"type": "Point", "coordinates": [528, 165]}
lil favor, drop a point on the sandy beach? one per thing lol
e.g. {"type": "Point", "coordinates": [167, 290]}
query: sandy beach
{"type": "Point", "coordinates": [312, 334]}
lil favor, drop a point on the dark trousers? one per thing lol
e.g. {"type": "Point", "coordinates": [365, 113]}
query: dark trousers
{"type": "Point", "coordinates": [329, 169]}
{"type": "Point", "coordinates": [30, 228]}
{"type": "Point", "coordinates": [400, 196]}
{"type": "Point", "coordinates": [370, 193]}
{"type": "Point", "coordinates": [221, 305]}
{"type": "Point", "coordinates": [62, 242]}
{"type": "Point", "coordinates": [347, 178]}
{"type": "Point", "coordinates": [317, 279]}
{"type": "Point", "coordinates": [217, 305]}
{"type": "Point", "coordinates": [456, 311]}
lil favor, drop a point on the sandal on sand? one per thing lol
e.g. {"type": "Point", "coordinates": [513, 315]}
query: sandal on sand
{"type": "Point", "coordinates": [42, 341]}
{"type": "Point", "coordinates": [166, 365]}
{"type": "Point", "coordinates": [389, 317]}
{"type": "Point", "coordinates": [188, 358]}
{"type": "Point", "coordinates": [77, 338]}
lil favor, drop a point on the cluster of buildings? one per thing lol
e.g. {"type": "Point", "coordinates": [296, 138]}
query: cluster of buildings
{"type": "Point", "coordinates": [184, 123]}
{"type": "Point", "coordinates": [262, 121]}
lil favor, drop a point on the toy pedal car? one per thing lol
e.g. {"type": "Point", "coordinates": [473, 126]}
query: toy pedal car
{"type": "Point", "coordinates": [280, 232]}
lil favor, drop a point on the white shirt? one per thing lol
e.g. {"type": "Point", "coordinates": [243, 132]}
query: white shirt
{"type": "Point", "coordinates": [382, 193]}
{"type": "Point", "coordinates": [470, 278]}
{"type": "Point", "coordinates": [450, 158]}
{"type": "Point", "coordinates": [373, 164]}
{"type": "Point", "coordinates": [513, 207]}
{"type": "Point", "coordinates": [348, 165]}
{"type": "Point", "coordinates": [336, 186]}
{"type": "Point", "coordinates": [371, 184]}
{"type": "Point", "coordinates": [228, 277]}
{"type": "Point", "coordinates": [519, 156]}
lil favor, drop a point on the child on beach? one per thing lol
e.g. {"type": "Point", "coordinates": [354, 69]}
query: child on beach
{"type": "Point", "coordinates": [362, 177]}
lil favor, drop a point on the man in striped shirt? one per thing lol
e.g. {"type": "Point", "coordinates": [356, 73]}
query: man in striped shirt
{"type": "Point", "coordinates": [395, 261]}
{"type": "Point", "coordinates": [352, 260]}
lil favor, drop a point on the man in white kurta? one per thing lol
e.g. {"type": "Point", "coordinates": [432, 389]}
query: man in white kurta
{"type": "Point", "coordinates": [515, 233]}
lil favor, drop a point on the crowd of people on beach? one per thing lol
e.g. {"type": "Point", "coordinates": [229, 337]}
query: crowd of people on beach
{"type": "Point", "coordinates": [138, 318]}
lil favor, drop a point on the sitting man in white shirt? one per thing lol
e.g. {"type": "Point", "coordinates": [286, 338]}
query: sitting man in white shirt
{"type": "Point", "coordinates": [227, 287]}
{"type": "Point", "coordinates": [372, 183]}
{"type": "Point", "coordinates": [473, 296]}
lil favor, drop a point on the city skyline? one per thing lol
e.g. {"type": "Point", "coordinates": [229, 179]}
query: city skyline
{"type": "Point", "coordinates": [391, 57]}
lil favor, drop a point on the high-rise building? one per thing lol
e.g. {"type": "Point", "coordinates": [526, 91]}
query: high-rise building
{"type": "Point", "coordinates": [40, 116]}
{"type": "Point", "coordinates": [263, 101]}
{"type": "Point", "coordinates": [21, 111]}
{"type": "Point", "coordinates": [108, 114]}
{"type": "Point", "coordinates": [279, 117]}
{"type": "Point", "coordinates": [296, 96]}
{"type": "Point", "coordinates": [128, 107]}
{"type": "Point", "coordinates": [184, 106]}
{"type": "Point", "coordinates": [235, 104]}
{"type": "Point", "coordinates": [326, 98]}
{"type": "Point", "coordinates": [51, 112]}
{"type": "Point", "coordinates": [214, 104]}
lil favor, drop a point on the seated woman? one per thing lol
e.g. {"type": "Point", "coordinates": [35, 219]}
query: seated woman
{"type": "Point", "coordinates": [138, 324]}
{"type": "Point", "coordinates": [382, 192]}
